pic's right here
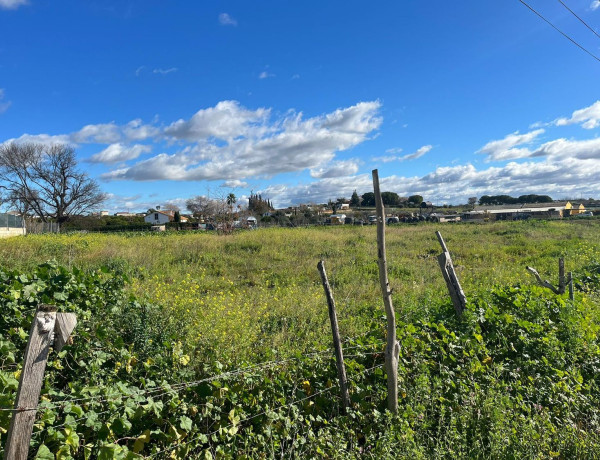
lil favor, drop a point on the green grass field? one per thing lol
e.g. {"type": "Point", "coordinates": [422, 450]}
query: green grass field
{"type": "Point", "coordinates": [214, 302]}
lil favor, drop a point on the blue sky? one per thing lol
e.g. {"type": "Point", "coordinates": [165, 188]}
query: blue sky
{"type": "Point", "coordinates": [301, 100]}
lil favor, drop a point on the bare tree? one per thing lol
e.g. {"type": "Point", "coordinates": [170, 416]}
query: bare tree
{"type": "Point", "coordinates": [201, 206]}
{"type": "Point", "coordinates": [44, 180]}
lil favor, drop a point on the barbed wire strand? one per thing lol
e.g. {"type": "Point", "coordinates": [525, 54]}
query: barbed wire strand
{"type": "Point", "coordinates": [178, 386]}
{"type": "Point", "coordinates": [257, 415]}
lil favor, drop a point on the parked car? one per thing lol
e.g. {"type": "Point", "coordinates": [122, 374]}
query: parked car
{"type": "Point", "coordinates": [372, 219]}
{"type": "Point", "coordinates": [587, 214]}
{"type": "Point", "coordinates": [392, 220]}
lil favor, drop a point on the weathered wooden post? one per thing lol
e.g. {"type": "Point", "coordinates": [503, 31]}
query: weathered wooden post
{"type": "Point", "coordinates": [561, 276]}
{"type": "Point", "coordinates": [47, 326]}
{"type": "Point", "coordinates": [459, 300]}
{"type": "Point", "coordinates": [337, 343]}
{"type": "Point", "coordinates": [392, 349]}
{"type": "Point", "coordinates": [570, 282]}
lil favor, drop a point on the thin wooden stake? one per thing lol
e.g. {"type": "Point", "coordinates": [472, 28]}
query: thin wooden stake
{"type": "Point", "coordinates": [459, 300]}
{"type": "Point", "coordinates": [392, 349]}
{"type": "Point", "coordinates": [570, 282]}
{"type": "Point", "coordinates": [337, 343]}
{"type": "Point", "coordinates": [45, 326]}
{"type": "Point", "coordinates": [561, 276]}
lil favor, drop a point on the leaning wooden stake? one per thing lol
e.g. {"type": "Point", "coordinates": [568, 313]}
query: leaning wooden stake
{"type": "Point", "coordinates": [459, 300]}
{"type": "Point", "coordinates": [392, 350]}
{"type": "Point", "coordinates": [337, 343]}
{"type": "Point", "coordinates": [541, 282]}
{"type": "Point", "coordinates": [47, 324]}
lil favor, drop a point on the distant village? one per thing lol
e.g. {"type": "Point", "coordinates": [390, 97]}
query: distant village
{"type": "Point", "coordinates": [227, 214]}
{"type": "Point", "coordinates": [213, 214]}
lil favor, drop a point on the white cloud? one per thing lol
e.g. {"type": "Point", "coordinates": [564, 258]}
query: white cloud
{"type": "Point", "coordinates": [595, 5]}
{"type": "Point", "coordinates": [165, 71]}
{"type": "Point", "coordinates": [412, 156]}
{"type": "Point", "coordinates": [556, 177]}
{"type": "Point", "coordinates": [418, 154]}
{"type": "Point", "coordinates": [264, 74]}
{"type": "Point", "coordinates": [563, 148]}
{"type": "Point", "coordinates": [236, 143]}
{"type": "Point", "coordinates": [504, 149]}
{"type": "Point", "coordinates": [45, 139]}
{"type": "Point", "coordinates": [588, 117]}
{"type": "Point", "coordinates": [386, 159]}
{"type": "Point", "coordinates": [226, 121]}
{"type": "Point", "coordinates": [235, 183]}
{"type": "Point", "coordinates": [138, 71]}
{"type": "Point", "coordinates": [103, 133]}
{"type": "Point", "coordinates": [12, 4]}
{"type": "Point", "coordinates": [394, 150]}
{"type": "Point", "coordinates": [336, 169]}
{"type": "Point", "coordinates": [136, 130]}
{"type": "Point", "coordinates": [4, 105]}
{"type": "Point", "coordinates": [116, 153]}
{"type": "Point", "coordinates": [226, 20]}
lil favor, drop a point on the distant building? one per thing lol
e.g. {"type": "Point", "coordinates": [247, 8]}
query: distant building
{"type": "Point", "coordinates": [125, 214]}
{"type": "Point", "coordinates": [158, 218]}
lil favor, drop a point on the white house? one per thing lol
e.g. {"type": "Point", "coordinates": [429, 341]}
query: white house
{"type": "Point", "coordinates": [158, 218]}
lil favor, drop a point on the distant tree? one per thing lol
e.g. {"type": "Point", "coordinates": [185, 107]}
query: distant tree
{"type": "Point", "coordinates": [44, 180]}
{"type": "Point", "coordinates": [368, 199]}
{"type": "Point", "coordinates": [171, 207]}
{"type": "Point", "coordinates": [201, 206]}
{"type": "Point", "coordinates": [390, 198]}
{"type": "Point", "coordinates": [177, 217]}
{"type": "Point", "coordinates": [415, 199]}
{"type": "Point", "coordinates": [472, 201]}
{"type": "Point", "coordinates": [355, 200]}
{"type": "Point", "coordinates": [534, 199]}
{"type": "Point", "coordinates": [258, 205]}
{"type": "Point", "coordinates": [231, 200]}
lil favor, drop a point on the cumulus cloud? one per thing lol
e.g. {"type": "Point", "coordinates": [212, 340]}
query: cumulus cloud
{"type": "Point", "coordinates": [116, 153]}
{"type": "Point", "coordinates": [556, 176]}
{"type": "Point", "coordinates": [226, 121]}
{"type": "Point", "coordinates": [4, 105]}
{"type": "Point", "coordinates": [226, 20]}
{"type": "Point", "coordinates": [336, 169]}
{"type": "Point", "coordinates": [563, 148]}
{"type": "Point", "coordinates": [235, 183]}
{"type": "Point", "coordinates": [595, 5]}
{"type": "Point", "coordinates": [12, 4]}
{"type": "Point", "coordinates": [588, 117]}
{"type": "Point", "coordinates": [136, 130]}
{"type": "Point", "coordinates": [45, 139]}
{"type": "Point", "coordinates": [505, 149]}
{"type": "Point", "coordinates": [233, 142]}
{"type": "Point", "coordinates": [104, 133]}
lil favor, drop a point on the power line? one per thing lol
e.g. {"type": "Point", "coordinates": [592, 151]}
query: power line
{"type": "Point", "coordinates": [561, 32]}
{"type": "Point", "coordinates": [582, 21]}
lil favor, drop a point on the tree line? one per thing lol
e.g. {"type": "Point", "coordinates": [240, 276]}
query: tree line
{"type": "Point", "coordinates": [507, 199]}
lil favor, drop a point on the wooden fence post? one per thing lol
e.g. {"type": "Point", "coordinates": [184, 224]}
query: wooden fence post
{"type": "Point", "coordinates": [561, 276]}
{"type": "Point", "coordinates": [337, 343]}
{"type": "Point", "coordinates": [392, 349]}
{"type": "Point", "coordinates": [570, 282]}
{"type": "Point", "coordinates": [46, 326]}
{"type": "Point", "coordinates": [459, 300]}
